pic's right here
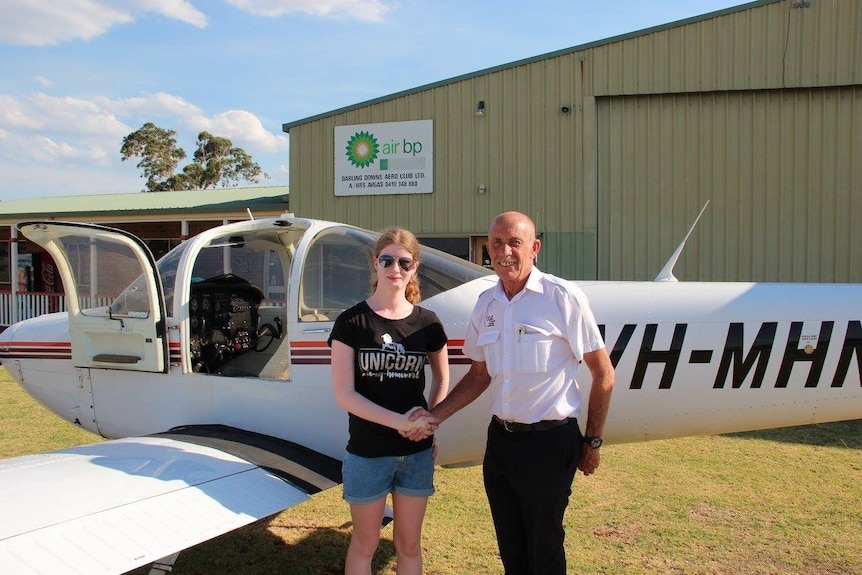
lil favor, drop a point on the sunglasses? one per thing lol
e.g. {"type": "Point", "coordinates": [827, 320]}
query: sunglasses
{"type": "Point", "coordinates": [385, 260]}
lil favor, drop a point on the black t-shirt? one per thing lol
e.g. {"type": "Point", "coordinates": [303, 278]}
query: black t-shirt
{"type": "Point", "coordinates": [389, 369]}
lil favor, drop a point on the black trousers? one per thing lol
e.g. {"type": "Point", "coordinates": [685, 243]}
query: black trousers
{"type": "Point", "coordinates": [528, 480]}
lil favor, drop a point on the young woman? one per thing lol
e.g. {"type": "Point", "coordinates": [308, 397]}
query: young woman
{"type": "Point", "coordinates": [379, 350]}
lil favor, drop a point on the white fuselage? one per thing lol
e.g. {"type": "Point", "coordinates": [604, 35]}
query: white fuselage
{"type": "Point", "coordinates": [690, 359]}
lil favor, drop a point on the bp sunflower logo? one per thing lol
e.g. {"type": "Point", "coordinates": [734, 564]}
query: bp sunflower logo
{"type": "Point", "coordinates": [362, 149]}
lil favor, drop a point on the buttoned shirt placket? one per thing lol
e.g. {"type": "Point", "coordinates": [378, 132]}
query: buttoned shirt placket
{"type": "Point", "coordinates": [508, 340]}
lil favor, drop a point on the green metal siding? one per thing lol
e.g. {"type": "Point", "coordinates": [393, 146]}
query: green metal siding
{"type": "Point", "coordinates": [569, 255]}
{"type": "Point", "coordinates": [777, 45]}
{"type": "Point", "coordinates": [755, 108]}
{"type": "Point", "coordinates": [779, 167]}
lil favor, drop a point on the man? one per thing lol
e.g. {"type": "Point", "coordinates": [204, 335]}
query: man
{"type": "Point", "coordinates": [526, 338]}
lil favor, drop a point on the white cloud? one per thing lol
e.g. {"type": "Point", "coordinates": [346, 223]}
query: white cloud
{"type": "Point", "coordinates": [47, 136]}
{"type": "Point", "coordinates": [43, 23]}
{"type": "Point", "coordinates": [50, 130]}
{"type": "Point", "coordinates": [20, 182]}
{"type": "Point", "coordinates": [155, 106]}
{"type": "Point", "coordinates": [64, 115]}
{"type": "Point", "coordinates": [47, 23]}
{"type": "Point", "coordinates": [368, 10]}
{"type": "Point", "coordinates": [242, 128]}
{"type": "Point", "coordinates": [181, 10]}
{"type": "Point", "coordinates": [14, 115]}
{"type": "Point", "coordinates": [43, 151]}
{"type": "Point", "coordinates": [46, 150]}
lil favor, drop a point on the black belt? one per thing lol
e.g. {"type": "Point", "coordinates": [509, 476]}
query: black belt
{"type": "Point", "coordinates": [544, 425]}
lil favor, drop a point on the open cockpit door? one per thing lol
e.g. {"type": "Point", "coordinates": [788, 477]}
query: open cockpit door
{"type": "Point", "coordinates": [113, 295]}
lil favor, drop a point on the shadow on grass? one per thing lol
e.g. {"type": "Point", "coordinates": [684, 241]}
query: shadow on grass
{"type": "Point", "coordinates": [255, 549]}
{"type": "Point", "coordinates": [846, 434]}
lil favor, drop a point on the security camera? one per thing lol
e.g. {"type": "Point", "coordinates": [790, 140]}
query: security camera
{"type": "Point", "coordinates": [565, 109]}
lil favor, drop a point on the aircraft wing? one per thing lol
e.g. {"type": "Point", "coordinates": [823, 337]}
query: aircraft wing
{"type": "Point", "coordinates": [114, 506]}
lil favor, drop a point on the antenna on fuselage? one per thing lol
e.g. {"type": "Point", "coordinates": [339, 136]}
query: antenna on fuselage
{"type": "Point", "coordinates": [251, 217]}
{"type": "Point", "coordinates": [666, 273]}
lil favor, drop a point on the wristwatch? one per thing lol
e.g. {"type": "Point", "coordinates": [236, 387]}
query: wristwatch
{"type": "Point", "coordinates": [594, 442]}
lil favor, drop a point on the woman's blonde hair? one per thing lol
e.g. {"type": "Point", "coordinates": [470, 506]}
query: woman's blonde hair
{"type": "Point", "coordinates": [405, 239]}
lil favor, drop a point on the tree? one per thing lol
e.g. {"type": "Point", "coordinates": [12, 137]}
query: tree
{"type": "Point", "coordinates": [215, 161]}
{"type": "Point", "coordinates": [158, 151]}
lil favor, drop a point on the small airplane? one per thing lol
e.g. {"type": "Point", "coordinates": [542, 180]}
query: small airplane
{"type": "Point", "coordinates": [209, 373]}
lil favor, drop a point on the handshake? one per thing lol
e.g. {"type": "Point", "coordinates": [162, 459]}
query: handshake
{"type": "Point", "coordinates": [418, 424]}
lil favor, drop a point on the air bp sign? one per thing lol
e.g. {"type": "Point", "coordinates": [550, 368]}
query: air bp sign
{"type": "Point", "coordinates": [390, 158]}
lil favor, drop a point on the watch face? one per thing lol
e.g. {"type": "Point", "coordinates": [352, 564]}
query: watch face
{"type": "Point", "coordinates": [595, 442]}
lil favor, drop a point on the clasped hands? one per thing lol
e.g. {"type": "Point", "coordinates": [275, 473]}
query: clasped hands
{"type": "Point", "coordinates": [421, 424]}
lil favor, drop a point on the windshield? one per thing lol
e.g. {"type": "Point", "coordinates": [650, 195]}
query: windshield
{"type": "Point", "coordinates": [167, 267]}
{"type": "Point", "coordinates": [133, 301]}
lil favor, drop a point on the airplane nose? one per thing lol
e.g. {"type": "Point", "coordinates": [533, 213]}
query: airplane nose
{"type": "Point", "coordinates": [37, 353]}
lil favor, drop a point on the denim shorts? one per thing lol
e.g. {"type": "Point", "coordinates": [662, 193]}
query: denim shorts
{"type": "Point", "coordinates": [369, 479]}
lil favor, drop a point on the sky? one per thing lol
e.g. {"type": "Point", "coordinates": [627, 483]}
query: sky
{"type": "Point", "coordinates": [77, 76]}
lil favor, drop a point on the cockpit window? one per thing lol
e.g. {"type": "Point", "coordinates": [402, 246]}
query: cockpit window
{"type": "Point", "coordinates": [101, 268]}
{"type": "Point", "coordinates": [167, 267]}
{"type": "Point", "coordinates": [251, 257]}
{"type": "Point", "coordinates": [441, 272]}
{"type": "Point", "coordinates": [338, 273]}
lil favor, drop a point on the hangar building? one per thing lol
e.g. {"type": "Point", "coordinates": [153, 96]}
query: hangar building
{"type": "Point", "coordinates": [614, 147]}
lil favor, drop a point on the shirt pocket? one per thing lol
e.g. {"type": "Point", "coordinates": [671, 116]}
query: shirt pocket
{"type": "Point", "coordinates": [489, 341]}
{"type": "Point", "coordinates": [533, 351]}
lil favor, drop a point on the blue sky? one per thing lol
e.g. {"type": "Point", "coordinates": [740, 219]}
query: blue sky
{"type": "Point", "coordinates": [76, 76]}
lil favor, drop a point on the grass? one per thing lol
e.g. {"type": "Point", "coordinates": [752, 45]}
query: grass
{"type": "Point", "coordinates": [786, 501]}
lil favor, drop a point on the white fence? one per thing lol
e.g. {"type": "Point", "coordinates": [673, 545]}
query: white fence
{"type": "Point", "coordinates": [15, 307]}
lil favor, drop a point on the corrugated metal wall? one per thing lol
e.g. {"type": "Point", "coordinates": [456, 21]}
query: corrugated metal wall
{"type": "Point", "coordinates": [756, 108]}
{"type": "Point", "coordinates": [783, 44]}
{"type": "Point", "coordinates": [780, 168]}
{"type": "Point", "coordinates": [525, 150]}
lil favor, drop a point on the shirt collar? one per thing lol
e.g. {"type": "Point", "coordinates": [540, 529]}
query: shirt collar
{"type": "Point", "coordinates": [534, 283]}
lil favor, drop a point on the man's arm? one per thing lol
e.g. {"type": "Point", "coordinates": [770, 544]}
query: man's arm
{"type": "Point", "coordinates": [602, 371]}
{"type": "Point", "coordinates": [471, 386]}
{"type": "Point", "coordinates": [438, 361]}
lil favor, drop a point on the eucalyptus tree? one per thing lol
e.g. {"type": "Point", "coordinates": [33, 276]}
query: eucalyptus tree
{"type": "Point", "coordinates": [216, 161]}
